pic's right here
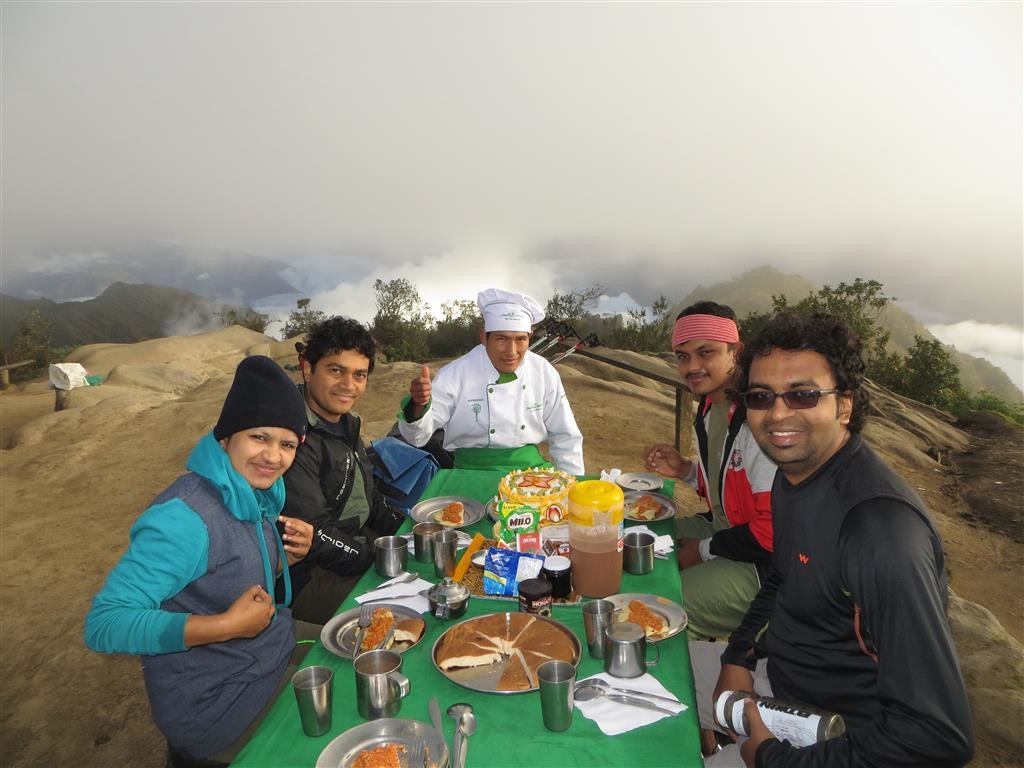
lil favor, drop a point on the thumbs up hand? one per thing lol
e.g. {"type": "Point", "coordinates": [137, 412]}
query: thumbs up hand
{"type": "Point", "coordinates": [419, 389]}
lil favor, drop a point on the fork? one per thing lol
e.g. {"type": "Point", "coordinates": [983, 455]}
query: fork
{"type": "Point", "coordinates": [365, 617]}
{"type": "Point", "coordinates": [414, 755]}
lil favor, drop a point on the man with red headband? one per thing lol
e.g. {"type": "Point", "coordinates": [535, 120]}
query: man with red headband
{"type": "Point", "coordinates": [725, 550]}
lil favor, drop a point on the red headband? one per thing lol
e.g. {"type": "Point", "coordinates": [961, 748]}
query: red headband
{"type": "Point", "coordinates": [710, 327]}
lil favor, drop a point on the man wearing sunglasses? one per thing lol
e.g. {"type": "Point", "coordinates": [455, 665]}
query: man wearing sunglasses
{"type": "Point", "coordinates": [723, 549]}
{"type": "Point", "coordinates": [855, 601]}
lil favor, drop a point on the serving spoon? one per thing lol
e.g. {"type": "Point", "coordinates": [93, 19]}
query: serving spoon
{"type": "Point", "coordinates": [588, 692]}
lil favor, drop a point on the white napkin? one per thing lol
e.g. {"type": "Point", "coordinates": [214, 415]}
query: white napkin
{"type": "Point", "coordinates": [614, 718]}
{"type": "Point", "coordinates": [462, 543]}
{"type": "Point", "coordinates": [663, 544]}
{"type": "Point", "coordinates": [611, 475]}
{"type": "Point", "coordinates": [407, 595]}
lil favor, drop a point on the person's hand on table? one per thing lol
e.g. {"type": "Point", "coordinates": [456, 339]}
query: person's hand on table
{"type": "Point", "coordinates": [297, 538]}
{"type": "Point", "coordinates": [688, 553]}
{"type": "Point", "coordinates": [665, 460]}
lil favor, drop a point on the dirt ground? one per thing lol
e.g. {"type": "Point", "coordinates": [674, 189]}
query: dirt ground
{"type": "Point", "coordinates": [71, 483]}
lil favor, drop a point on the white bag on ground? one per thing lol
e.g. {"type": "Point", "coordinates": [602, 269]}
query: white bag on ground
{"type": "Point", "coordinates": [67, 375]}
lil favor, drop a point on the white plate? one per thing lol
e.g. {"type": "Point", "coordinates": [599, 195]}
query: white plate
{"type": "Point", "coordinates": [666, 506]}
{"type": "Point", "coordinates": [673, 613]}
{"type": "Point", "coordinates": [339, 634]}
{"type": "Point", "coordinates": [640, 481]}
{"type": "Point", "coordinates": [344, 749]}
{"type": "Point", "coordinates": [424, 512]}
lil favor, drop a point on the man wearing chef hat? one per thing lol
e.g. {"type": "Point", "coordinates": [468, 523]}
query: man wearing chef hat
{"type": "Point", "coordinates": [497, 402]}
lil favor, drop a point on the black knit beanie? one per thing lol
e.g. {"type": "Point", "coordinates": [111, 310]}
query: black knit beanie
{"type": "Point", "coordinates": [261, 395]}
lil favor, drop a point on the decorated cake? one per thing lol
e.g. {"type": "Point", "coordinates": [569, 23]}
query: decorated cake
{"type": "Point", "coordinates": [545, 489]}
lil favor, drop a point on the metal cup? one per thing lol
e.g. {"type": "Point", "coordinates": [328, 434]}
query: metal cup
{"type": "Point", "coordinates": [625, 653]}
{"type": "Point", "coordinates": [597, 616]}
{"type": "Point", "coordinates": [314, 689]}
{"type": "Point", "coordinates": [380, 686]}
{"type": "Point", "coordinates": [444, 551]}
{"type": "Point", "coordinates": [556, 680]}
{"type": "Point", "coordinates": [392, 553]}
{"type": "Point", "coordinates": [638, 552]}
{"type": "Point", "coordinates": [422, 544]}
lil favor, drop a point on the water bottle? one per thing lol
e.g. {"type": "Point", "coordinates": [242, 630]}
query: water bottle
{"type": "Point", "coordinates": [800, 725]}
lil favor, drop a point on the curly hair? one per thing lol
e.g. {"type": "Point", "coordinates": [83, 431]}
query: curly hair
{"type": "Point", "coordinates": [821, 332]}
{"type": "Point", "coordinates": [336, 334]}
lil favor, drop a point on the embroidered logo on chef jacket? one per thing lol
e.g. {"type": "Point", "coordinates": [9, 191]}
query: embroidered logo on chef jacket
{"type": "Point", "coordinates": [534, 407]}
{"type": "Point", "coordinates": [476, 406]}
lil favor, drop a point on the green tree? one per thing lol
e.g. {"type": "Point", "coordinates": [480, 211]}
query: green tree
{"type": "Point", "coordinates": [402, 321]}
{"type": "Point", "coordinates": [302, 319]}
{"type": "Point", "coordinates": [457, 331]}
{"type": "Point", "coordinates": [32, 340]}
{"type": "Point", "coordinates": [639, 334]}
{"type": "Point", "coordinates": [570, 307]}
{"type": "Point", "coordinates": [931, 376]}
{"type": "Point", "coordinates": [245, 317]}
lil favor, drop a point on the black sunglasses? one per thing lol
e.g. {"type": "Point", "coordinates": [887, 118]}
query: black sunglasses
{"type": "Point", "coordinates": [798, 399]}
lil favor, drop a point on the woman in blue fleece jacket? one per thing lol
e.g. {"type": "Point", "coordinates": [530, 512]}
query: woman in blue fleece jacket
{"type": "Point", "coordinates": [193, 594]}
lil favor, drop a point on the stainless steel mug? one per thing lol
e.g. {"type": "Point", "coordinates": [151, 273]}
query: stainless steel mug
{"type": "Point", "coordinates": [625, 651]}
{"type": "Point", "coordinates": [597, 617]}
{"type": "Point", "coordinates": [444, 551]}
{"type": "Point", "coordinates": [422, 545]}
{"type": "Point", "coordinates": [391, 553]}
{"type": "Point", "coordinates": [314, 693]}
{"type": "Point", "coordinates": [638, 552]}
{"type": "Point", "coordinates": [380, 685]}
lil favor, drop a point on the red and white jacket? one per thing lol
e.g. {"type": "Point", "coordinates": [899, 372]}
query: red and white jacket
{"type": "Point", "coordinates": [745, 485]}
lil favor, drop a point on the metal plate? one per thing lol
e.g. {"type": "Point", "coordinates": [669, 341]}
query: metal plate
{"type": "Point", "coordinates": [673, 613]}
{"type": "Point", "coordinates": [344, 749]}
{"type": "Point", "coordinates": [666, 506]}
{"type": "Point", "coordinates": [491, 509]}
{"type": "Point", "coordinates": [640, 481]}
{"type": "Point", "coordinates": [339, 634]}
{"type": "Point", "coordinates": [424, 511]}
{"type": "Point", "coordinates": [485, 678]}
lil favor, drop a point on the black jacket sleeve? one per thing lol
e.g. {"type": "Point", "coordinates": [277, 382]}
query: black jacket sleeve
{"type": "Point", "coordinates": [742, 648]}
{"type": "Point", "coordinates": [337, 544]}
{"type": "Point", "coordinates": [738, 543]}
{"type": "Point", "coordinates": [892, 566]}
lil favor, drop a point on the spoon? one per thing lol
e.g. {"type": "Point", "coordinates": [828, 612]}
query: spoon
{"type": "Point", "coordinates": [588, 692]}
{"type": "Point", "coordinates": [604, 687]}
{"type": "Point", "coordinates": [463, 714]}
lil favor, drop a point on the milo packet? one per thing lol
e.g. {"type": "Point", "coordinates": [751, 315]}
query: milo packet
{"type": "Point", "coordinates": [519, 527]}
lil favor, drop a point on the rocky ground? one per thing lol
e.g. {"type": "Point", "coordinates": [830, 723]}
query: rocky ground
{"type": "Point", "coordinates": [72, 482]}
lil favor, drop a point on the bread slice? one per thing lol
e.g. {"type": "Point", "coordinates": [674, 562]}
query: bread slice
{"type": "Point", "coordinates": [453, 514]}
{"type": "Point", "coordinates": [409, 630]}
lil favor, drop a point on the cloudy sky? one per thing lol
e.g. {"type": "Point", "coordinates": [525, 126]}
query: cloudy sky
{"type": "Point", "coordinates": [540, 146]}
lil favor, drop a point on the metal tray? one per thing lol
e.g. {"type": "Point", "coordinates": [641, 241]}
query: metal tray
{"type": "Point", "coordinates": [485, 678]}
{"type": "Point", "coordinates": [344, 749]}
{"type": "Point", "coordinates": [339, 634]}
{"type": "Point", "coordinates": [667, 506]}
{"type": "Point", "coordinates": [424, 511]}
{"type": "Point", "coordinates": [673, 613]}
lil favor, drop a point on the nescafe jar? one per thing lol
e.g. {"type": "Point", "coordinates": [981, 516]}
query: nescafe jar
{"type": "Point", "coordinates": [535, 597]}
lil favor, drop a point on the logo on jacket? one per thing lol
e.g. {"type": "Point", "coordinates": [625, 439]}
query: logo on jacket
{"type": "Point", "coordinates": [804, 559]}
{"type": "Point", "coordinates": [736, 459]}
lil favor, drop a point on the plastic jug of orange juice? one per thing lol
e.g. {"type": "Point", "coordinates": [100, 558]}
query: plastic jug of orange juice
{"type": "Point", "coordinates": [595, 537]}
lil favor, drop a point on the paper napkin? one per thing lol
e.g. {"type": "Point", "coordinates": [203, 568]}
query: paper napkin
{"type": "Point", "coordinates": [614, 718]}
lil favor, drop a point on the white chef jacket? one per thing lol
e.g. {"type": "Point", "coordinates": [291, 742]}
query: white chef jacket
{"type": "Point", "coordinates": [477, 413]}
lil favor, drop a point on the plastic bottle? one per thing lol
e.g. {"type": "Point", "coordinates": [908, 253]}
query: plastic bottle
{"type": "Point", "coordinates": [800, 725]}
{"type": "Point", "coordinates": [595, 537]}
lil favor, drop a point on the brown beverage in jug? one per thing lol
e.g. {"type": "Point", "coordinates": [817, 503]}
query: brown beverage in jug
{"type": "Point", "coordinates": [595, 537]}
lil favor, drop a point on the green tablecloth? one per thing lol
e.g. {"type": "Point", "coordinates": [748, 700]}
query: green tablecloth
{"type": "Point", "coordinates": [510, 731]}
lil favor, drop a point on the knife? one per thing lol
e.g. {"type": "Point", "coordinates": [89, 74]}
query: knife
{"type": "Point", "coordinates": [435, 716]}
{"type": "Point", "coordinates": [635, 702]}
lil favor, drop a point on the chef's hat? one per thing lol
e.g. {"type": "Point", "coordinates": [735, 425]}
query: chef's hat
{"type": "Point", "coordinates": [508, 311]}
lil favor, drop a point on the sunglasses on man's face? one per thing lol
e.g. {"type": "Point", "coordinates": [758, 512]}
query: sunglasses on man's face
{"type": "Point", "coordinates": [797, 399]}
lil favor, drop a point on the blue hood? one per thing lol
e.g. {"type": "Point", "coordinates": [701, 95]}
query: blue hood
{"type": "Point", "coordinates": [210, 461]}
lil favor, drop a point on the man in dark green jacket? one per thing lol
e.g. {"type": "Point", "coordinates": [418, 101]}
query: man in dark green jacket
{"type": "Point", "coordinates": [331, 481]}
